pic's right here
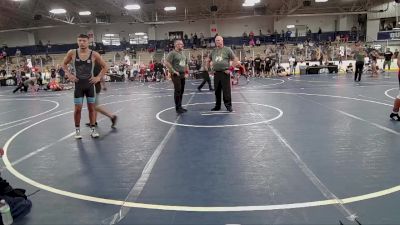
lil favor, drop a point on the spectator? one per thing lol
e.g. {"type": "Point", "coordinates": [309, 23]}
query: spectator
{"type": "Point", "coordinates": [309, 33]}
{"type": "Point", "coordinates": [18, 52]}
{"type": "Point", "coordinates": [61, 72]}
{"type": "Point", "coordinates": [319, 34]}
{"type": "Point", "coordinates": [195, 40]}
{"type": "Point", "coordinates": [396, 53]}
{"type": "Point", "coordinates": [258, 42]}
{"type": "Point", "coordinates": [251, 35]}
{"type": "Point", "coordinates": [251, 43]}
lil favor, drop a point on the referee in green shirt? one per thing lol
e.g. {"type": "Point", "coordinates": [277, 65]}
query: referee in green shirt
{"type": "Point", "coordinates": [176, 63]}
{"type": "Point", "coordinates": [220, 59]}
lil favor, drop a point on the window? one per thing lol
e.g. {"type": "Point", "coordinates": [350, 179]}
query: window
{"type": "Point", "coordinates": [387, 24]}
{"type": "Point", "coordinates": [138, 38]}
{"type": "Point", "coordinates": [111, 39]}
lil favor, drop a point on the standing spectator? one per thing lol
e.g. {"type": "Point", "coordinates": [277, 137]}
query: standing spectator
{"type": "Point", "coordinates": [257, 65]}
{"type": "Point", "coordinates": [251, 43]}
{"type": "Point", "coordinates": [204, 73]}
{"type": "Point", "coordinates": [61, 73]}
{"type": "Point", "coordinates": [18, 52]}
{"type": "Point", "coordinates": [195, 40]}
{"type": "Point", "coordinates": [374, 61]}
{"type": "Point", "coordinates": [388, 59]}
{"type": "Point", "coordinates": [251, 35]}
{"type": "Point", "coordinates": [48, 47]}
{"type": "Point", "coordinates": [292, 65]}
{"type": "Point", "coordinates": [319, 34]}
{"type": "Point", "coordinates": [53, 73]}
{"type": "Point", "coordinates": [396, 105]}
{"type": "Point", "coordinates": [396, 53]}
{"type": "Point", "coordinates": [185, 39]}
{"type": "Point", "coordinates": [359, 55]}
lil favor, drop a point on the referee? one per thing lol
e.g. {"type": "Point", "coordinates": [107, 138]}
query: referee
{"type": "Point", "coordinates": [176, 63]}
{"type": "Point", "coordinates": [220, 59]}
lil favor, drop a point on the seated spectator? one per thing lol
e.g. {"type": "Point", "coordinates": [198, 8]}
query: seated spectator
{"type": "Point", "coordinates": [212, 44]}
{"type": "Point", "coordinates": [258, 42]}
{"type": "Point", "coordinates": [18, 53]}
{"type": "Point", "coordinates": [16, 198]}
{"type": "Point", "coordinates": [252, 43]}
{"type": "Point", "coordinates": [251, 35]}
{"type": "Point", "coordinates": [349, 68]}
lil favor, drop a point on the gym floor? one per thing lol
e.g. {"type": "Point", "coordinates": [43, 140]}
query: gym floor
{"type": "Point", "coordinates": [315, 149]}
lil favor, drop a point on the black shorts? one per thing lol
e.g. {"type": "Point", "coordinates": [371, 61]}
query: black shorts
{"type": "Point", "coordinates": [84, 88]}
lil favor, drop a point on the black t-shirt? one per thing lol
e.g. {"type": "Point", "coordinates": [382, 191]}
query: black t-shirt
{"type": "Point", "coordinates": [257, 62]}
{"type": "Point", "coordinates": [246, 64]}
{"type": "Point", "coordinates": [388, 56]}
{"type": "Point", "coordinates": [268, 64]}
{"type": "Point", "coordinates": [53, 73]}
{"type": "Point", "coordinates": [61, 72]}
{"type": "Point", "coordinates": [192, 66]}
{"type": "Point", "coordinates": [158, 67]}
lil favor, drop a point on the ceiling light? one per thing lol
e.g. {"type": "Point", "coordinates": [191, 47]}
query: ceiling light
{"type": "Point", "coordinates": [109, 35]}
{"type": "Point", "coordinates": [132, 7]}
{"type": "Point", "coordinates": [321, 0]}
{"type": "Point", "coordinates": [140, 34]}
{"type": "Point", "coordinates": [247, 4]}
{"type": "Point", "coordinates": [85, 13]}
{"type": "Point", "coordinates": [252, 1]}
{"type": "Point", "coordinates": [290, 26]}
{"type": "Point", "coordinates": [170, 8]}
{"type": "Point", "coordinates": [145, 37]}
{"type": "Point", "coordinates": [58, 11]}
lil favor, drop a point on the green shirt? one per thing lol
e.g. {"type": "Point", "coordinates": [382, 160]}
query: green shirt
{"type": "Point", "coordinates": [178, 61]}
{"type": "Point", "coordinates": [359, 55]}
{"type": "Point", "coordinates": [221, 58]}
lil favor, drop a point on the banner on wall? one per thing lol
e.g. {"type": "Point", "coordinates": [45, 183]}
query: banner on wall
{"type": "Point", "coordinates": [389, 35]}
{"type": "Point", "coordinates": [213, 30]}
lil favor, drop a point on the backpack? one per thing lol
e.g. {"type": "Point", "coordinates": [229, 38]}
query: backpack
{"type": "Point", "coordinates": [16, 198]}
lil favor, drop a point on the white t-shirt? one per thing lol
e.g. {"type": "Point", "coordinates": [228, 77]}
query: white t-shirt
{"type": "Point", "coordinates": [135, 67]}
{"type": "Point", "coordinates": [291, 61]}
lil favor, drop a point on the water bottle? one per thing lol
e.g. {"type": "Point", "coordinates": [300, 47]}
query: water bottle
{"type": "Point", "coordinates": [5, 213]}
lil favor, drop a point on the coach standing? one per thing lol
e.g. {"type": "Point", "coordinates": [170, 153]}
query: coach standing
{"type": "Point", "coordinates": [220, 59]}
